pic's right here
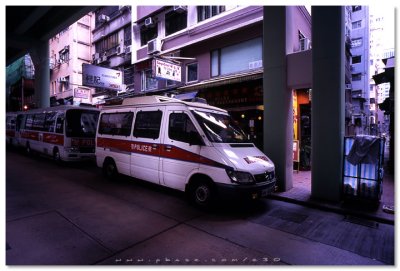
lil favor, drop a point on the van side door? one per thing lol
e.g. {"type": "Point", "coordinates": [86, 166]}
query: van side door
{"type": "Point", "coordinates": [145, 144]}
{"type": "Point", "coordinates": [180, 150]}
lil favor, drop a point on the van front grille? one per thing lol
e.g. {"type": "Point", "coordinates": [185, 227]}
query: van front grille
{"type": "Point", "coordinates": [267, 176]}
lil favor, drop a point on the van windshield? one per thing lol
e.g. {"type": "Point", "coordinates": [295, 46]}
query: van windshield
{"type": "Point", "coordinates": [220, 128]}
{"type": "Point", "coordinates": [81, 123]}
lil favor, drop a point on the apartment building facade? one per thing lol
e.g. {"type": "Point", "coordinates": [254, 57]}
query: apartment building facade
{"type": "Point", "coordinates": [219, 52]}
{"type": "Point", "coordinates": [69, 49]}
{"type": "Point", "coordinates": [112, 45]}
{"type": "Point", "coordinates": [360, 67]}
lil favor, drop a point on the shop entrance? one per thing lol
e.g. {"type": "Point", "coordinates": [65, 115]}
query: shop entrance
{"type": "Point", "coordinates": [302, 136]}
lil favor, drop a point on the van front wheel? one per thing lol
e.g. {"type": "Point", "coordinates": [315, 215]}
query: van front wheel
{"type": "Point", "coordinates": [202, 194]}
{"type": "Point", "coordinates": [110, 169]}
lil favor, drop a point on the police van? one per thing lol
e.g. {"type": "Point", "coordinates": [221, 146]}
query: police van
{"type": "Point", "coordinates": [189, 146]}
{"type": "Point", "coordinates": [66, 132]}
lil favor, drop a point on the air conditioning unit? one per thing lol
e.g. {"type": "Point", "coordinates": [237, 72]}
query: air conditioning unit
{"type": "Point", "coordinates": [348, 86]}
{"type": "Point", "coordinates": [305, 44]}
{"type": "Point", "coordinates": [119, 50]}
{"type": "Point", "coordinates": [95, 56]}
{"type": "Point", "coordinates": [103, 59]}
{"type": "Point", "coordinates": [59, 61]}
{"type": "Point", "coordinates": [128, 49]}
{"type": "Point", "coordinates": [154, 46]}
{"type": "Point", "coordinates": [180, 9]}
{"type": "Point", "coordinates": [149, 22]}
{"type": "Point", "coordinates": [63, 80]}
{"type": "Point", "coordinates": [103, 18]}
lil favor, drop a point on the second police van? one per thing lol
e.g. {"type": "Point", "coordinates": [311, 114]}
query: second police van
{"type": "Point", "coordinates": [192, 147]}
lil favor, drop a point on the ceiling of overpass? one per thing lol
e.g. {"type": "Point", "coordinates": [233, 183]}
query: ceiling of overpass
{"type": "Point", "coordinates": [28, 25]}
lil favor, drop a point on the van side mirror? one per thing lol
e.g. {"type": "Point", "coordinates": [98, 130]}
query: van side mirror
{"type": "Point", "coordinates": [195, 139]}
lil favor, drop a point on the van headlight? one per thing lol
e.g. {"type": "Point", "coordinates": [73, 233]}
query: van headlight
{"type": "Point", "coordinates": [240, 176]}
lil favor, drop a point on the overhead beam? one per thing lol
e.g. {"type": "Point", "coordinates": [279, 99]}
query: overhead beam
{"type": "Point", "coordinates": [36, 14]}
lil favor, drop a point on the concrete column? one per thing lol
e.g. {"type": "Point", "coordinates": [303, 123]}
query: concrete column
{"type": "Point", "coordinates": [328, 101]}
{"type": "Point", "coordinates": [40, 59]}
{"type": "Point", "coordinates": [278, 106]}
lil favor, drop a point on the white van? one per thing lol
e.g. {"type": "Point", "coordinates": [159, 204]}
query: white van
{"type": "Point", "coordinates": [66, 132]}
{"type": "Point", "coordinates": [192, 147]}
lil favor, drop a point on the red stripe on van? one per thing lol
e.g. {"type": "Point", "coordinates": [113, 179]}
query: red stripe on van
{"type": "Point", "coordinates": [172, 152]}
{"type": "Point", "coordinates": [53, 139]}
{"type": "Point", "coordinates": [121, 145]}
{"type": "Point", "coordinates": [164, 151]}
{"type": "Point", "coordinates": [10, 133]}
{"type": "Point", "coordinates": [30, 135]}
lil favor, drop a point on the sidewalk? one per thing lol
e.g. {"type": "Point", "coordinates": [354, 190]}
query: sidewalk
{"type": "Point", "coordinates": [301, 194]}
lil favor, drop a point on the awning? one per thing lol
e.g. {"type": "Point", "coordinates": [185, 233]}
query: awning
{"type": "Point", "coordinates": [225, 80]}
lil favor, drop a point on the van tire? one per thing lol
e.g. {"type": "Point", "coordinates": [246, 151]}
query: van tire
{"type": "Point", "coordinates": [110, 170]}
{"type": "Point", "coordinates": [57, 156]}
{"type": "Point", "coordinates": [28, 149]}
{"type": "Point", "coordinates": [202, 194]}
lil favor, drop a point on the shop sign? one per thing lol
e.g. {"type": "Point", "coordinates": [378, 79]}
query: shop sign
{"type": "Point", "coordinates": [167, 70]}
{"type": "Point", "coordinates": [95, 76]}
{"type": "Point", "coordinates": [81, 93]}
{"type": "Point", "coordinates": [296, 151]}
{"type": "Point", "coordinates": [244, 94]}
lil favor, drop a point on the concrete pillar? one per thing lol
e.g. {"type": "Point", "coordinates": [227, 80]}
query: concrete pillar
{"type": "Point", "coordinates": [278, 106]}
{"type": "Point", "coordinates": [40, 59]}
{"type": "Point", "coordinates": [328, 101]}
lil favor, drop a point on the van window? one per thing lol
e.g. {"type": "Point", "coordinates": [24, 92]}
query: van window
{"type": "Point", "coordinates": [116, 123]}
{"type": "Point", "coordinates": [20, 122]}
{"type": "Point", "coordinates": [180, 126]}
{"type": "Point", "coordinates": [220, 128]}
{"type": "Point", "coordinates": [81, 123]}
{"type": "Point", "coordinates": [10, 122]}
{"type": "Point", "coordinates": [60, 124]}
{"type": "Point", "coordinates": [29, 122]}
{"type": "Point", "coordinates": [50, 122]}
{"type": "Point", "coordinates": [147, 124]}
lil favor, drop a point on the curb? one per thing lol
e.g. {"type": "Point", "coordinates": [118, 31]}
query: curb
{"type": "Point", "coordinates": [334, 209]}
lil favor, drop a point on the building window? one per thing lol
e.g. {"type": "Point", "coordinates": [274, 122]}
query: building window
{"type": "Point", "coordinates": [237, 58]}
{"type": "Point", "coordinates": [107, 43]}
{"type": "Point", "coordinates": [206, 12]}
{"type": "Point", "coordinates": [356, 59]}
{"type": "Point", "coordinates": [215, 63]}
{"type": "Point", "coordinates": [148, 81]}
{"type": "Point", "coordinates": [148, 33]}
{"type": "Point", "coordinates": [355, 8]}
{"type": "Point", "coordinates": [64, 54]}
{"type": "Point", "coordinates": [191, 72]}
{"type": "Point", "coordinates": [356, 76]}
{"type": "Point", "coordinates": [357, 24]}
{"type": "Point", "coordinates": [127, 35]}
{"type": "Point", "coordinates": [175, 21]}
{"type": "Point", "coordinates": [356, 42]}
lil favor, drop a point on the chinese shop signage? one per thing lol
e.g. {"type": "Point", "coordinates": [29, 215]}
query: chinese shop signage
{"type": "Point", "coordinates": [95, 76]}
{"type": "Point", "coordinates": [167, 70]}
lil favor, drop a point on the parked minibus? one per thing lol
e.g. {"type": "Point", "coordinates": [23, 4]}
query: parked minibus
{"type": "Point", "coordinates": [67, 133]}
{"type": "Point", "coordinates": [189, 146]}
{"type": "Point", "coordinates": [11, 136]}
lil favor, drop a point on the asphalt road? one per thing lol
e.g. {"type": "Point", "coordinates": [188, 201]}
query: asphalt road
{"type": "Point", "coordinates": [71, 215]}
